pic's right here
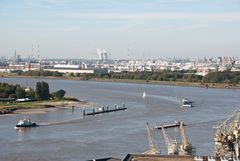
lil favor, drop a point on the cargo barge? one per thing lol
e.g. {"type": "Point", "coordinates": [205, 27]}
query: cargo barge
{"type": "Point", "coordinates": [175, 124]}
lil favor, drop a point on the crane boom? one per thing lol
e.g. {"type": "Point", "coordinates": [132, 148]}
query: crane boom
{"type": "Point", "coordinates": [227, 137]}
{"type": "Point", "coordinates": [153, 149]}
{"type": "Point", "coordinates": [186, 147]}
{"type": "Point", "coordinates": [171, 144]}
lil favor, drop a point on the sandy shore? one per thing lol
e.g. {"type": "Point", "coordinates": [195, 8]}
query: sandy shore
{"type": "Point", "coordinates": [34, 111]}
{"type": "Point", "coordinates": [69, 104]}
{"type": "Point", "coordinates": [53, 106]}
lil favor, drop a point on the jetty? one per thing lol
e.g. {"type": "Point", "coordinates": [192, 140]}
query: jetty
{"type": "Point", "coordinates": [102, 109]}
{"type": "Point", "coordinates": [175, 124]}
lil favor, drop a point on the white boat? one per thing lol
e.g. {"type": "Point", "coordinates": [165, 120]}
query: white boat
{"type": "Point", "coordinates": [144, 95]}
{"type": "Point", "coordinates": [186, 103]}
{"type": "Point", "coordinates": [25, 123]}
{"type": "Point", "coordinates": [100, 108]}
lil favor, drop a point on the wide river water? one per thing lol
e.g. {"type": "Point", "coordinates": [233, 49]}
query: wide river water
{"type": "Point", "coordinates": [119, 133]}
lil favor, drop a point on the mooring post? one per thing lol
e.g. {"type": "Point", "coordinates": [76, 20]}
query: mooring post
{"type": "Point", "coordinates": [84, 112]}
{"type": "Point", "coordinates": [72, 108]}
{"type": "Point", "coordinates": [102, 108]}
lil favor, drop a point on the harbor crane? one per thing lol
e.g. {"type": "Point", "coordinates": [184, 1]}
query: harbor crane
{"type": "Point", "coordinates": [153, 149]}
{"type": "Point", "coordinates": [227, 137]}
{"type": "Point", "coordinates": [172, 145]}
{"type": "Point", "coordinates": [186, 147]}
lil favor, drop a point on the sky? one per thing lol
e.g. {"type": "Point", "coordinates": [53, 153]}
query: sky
{"type": "Point", "coordinates": [128, 29]}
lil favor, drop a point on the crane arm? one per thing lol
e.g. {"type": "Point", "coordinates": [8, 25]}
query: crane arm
{"type": "Point", "coordinates": [153, 148]}
{"type": "Point", "coordinates": [165, 136]}
{"type": "Point", "coordinates": [183, 136]}
{"type": "Point", "coordinates": [150, 137]}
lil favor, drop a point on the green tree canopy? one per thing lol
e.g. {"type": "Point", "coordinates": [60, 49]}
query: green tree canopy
{"type": "Point", "coordinates": [30, 94]}
{"type": "Point", "coordinates": [20, 92]}
{"type": "Point", "coordinates": [42, 91]}
{"type": "Point", "coordinates": [58, 94]}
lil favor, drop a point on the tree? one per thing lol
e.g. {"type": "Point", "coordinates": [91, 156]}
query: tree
{"type": "Point", "coordinates": [42, 91]}
{"type": "Point", "coordinates": [20, 92]}
{"type": "Point", "coordinates": [71, 75]}
{"type": "Point", "coordinates": [58, 94]}
{"type": "Point", "coordinates": [78, 75]}
{"type": "Point", "coordinates": [45, 90]}
{"type": "Point", "coordinates": [38, 91]}
{"type": "Point", "coordinates": [9, 90]}
{"type": "Point", "coordinates": [30, 94]}
{"type": "Point", "coordinates": [12, 96]}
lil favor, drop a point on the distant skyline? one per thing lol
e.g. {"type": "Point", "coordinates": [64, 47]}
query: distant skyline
{"type": "Point", "coordinates": [125, 28]}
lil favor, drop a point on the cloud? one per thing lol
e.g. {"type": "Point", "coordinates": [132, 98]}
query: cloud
{"type": "Point", "coordinates": [43, 3]}
{"type": "Point", "coordinates": [183, 20]}
{"type": "Point", "coordinates": [126, 26]}
{"type": "Point", "coordinates": [234, 16]}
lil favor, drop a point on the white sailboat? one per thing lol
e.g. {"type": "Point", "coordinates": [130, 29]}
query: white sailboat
{"type": "Point", "coordinates": [144, 95]}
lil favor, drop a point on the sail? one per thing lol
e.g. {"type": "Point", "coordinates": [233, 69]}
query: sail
{"type": "Point", "coordinates": [144, 95]}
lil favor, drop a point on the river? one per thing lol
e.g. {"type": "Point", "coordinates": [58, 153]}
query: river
{"type": "Point", "coordinates": [119, 133]}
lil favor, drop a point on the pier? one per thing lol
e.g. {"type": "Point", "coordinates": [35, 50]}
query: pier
{"type": "Point", "coordinates": [101, 110]}
{"type": "Point", "coordinates": [175, 124]}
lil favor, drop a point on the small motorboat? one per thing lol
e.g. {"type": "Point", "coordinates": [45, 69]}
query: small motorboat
{"type": "Point", "coordinates": [186, 103]}
{"type": "Point", "coordinates": [26, 123]}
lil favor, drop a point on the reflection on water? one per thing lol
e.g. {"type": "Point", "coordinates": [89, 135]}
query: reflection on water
{"type": "Point", "coordinates": [66, 135]}
{"type": "Point", "coordinates": [21, 133]}
{"type": "Point", "coordinates": [23, 129]}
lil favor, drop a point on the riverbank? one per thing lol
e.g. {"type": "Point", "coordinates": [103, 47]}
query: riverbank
{"type": "Point", "coordinates": [174, 83]}
{"type": "Point", "coordinates": [38, 107]}
{"type": "Point", "coordinates": [170, 83]}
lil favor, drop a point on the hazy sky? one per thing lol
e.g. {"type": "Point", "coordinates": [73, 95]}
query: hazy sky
{"type": "Point", "coordinates": [125, 28]}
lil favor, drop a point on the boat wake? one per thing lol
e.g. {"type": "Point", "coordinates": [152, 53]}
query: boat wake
{"type": "Point", "coordinates": [61, 122]}
{"type": "Point", "coordinates": [202, 123]}
{"type": "Point", "coordinates": [167, 98]}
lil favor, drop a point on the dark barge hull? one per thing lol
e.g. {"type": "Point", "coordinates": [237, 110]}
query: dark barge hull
{"type": "Point", "coordinates": [105, 111]}
{"type": "Point", "coordinates": [169, 126]}
{"type": "Point", "coordinates": [33, 125]}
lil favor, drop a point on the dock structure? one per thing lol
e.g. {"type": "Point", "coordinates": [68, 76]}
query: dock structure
{"type": "Point", "coordinates": [175, 124]}
{"type": "Point", "coordinates": [149, 157]}
{"type": "Point", "coordinates": [106, 159]}
{"type": "Point", "coordinates": [102, 110]}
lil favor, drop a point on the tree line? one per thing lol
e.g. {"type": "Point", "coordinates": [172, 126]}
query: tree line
{"type": "Point", "coordinates": [176, 76]}
{"type": "Point", "coordinates": [223, 77]}
{"type": "Point", "coordinates": [39, 73]}
{"type": "Point", "coordinates": [227, 76]}
{"type": "Point", "coordinates": [9, 91]}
